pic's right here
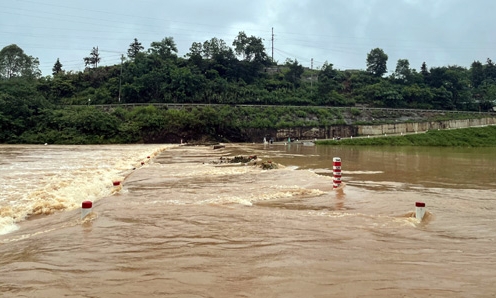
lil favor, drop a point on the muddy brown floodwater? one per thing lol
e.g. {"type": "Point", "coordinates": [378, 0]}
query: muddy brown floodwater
{"type": "Point", "coordinates": [185, 225]}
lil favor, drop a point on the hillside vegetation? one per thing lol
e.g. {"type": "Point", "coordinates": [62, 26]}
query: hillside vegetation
{"type": "Point", "coordinates": [59, 108]}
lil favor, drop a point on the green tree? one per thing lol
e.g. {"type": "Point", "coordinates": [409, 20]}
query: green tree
{"type": "Point", "coordinates": [93, 59]}
{"type": "Point", "coordinates": [164, 49]}
{"type": "Point", "coordinates": [57, 68]}
{"type": "Point", "coordinates": [377, 62]}
{"type": "Point", "coordinates": [390, 95]}
{"type": "Point", "coordinates": [424, 72]}
{"type": "Point", "coordinates": [220, 57]}
{"type": "Point", "coordinates": [490, 70]}
{"type": "Point", "coordinates": [488, 99]}
{"type": "Point", "coordinates": [196, 49]}
{"type": "Point", "coordinates": [295, 70]}
{"type": "Point", "coordinates": [455, 80]}
{"type": "Point", "coordinates": [403, 73]}
{"type": "Point", "coordinates": [185, 86]}
{"type": "Point", "coordinates": [476, 73]}
{"type": "Point", "coordinates": [215, 47]}
{"type": "Point", "coordinates": [423, 69]}
{"type": "Point", "coordinates": [442, 99]}
{"type": "Point", "coordinates": [356, 84]}
{"type": "Point", "coordinates": [417, 97]}
{"type": "Point", "coordinates": [134, 48]}
{"type": "Point", "coordinates": [15, 63]}
{"type": "Point", "coordinates": [327, 71]}
{"type": "Point", "coordinates": [328, 80]}
{"type": "Point", "coordinates": [240, 45]}
{"type": "Point", "coordinates": [20, 104]}
{"type": "Point", "coordinates": [61, 87]}
{"type": "Point", "coordinates": [250, 48]}
{"type": "Point", "coordinates": [195, 54]}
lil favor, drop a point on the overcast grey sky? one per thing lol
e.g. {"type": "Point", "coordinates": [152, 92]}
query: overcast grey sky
{"type": "Point", "coordinates": [342, 32]}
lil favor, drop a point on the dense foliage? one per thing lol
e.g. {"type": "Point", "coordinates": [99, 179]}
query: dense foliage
{"type": "Point", "coordinates": [58, 108]}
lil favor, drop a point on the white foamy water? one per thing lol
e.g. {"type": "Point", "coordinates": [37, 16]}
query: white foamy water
{"type": "Point", "coordinates": [44, 179]}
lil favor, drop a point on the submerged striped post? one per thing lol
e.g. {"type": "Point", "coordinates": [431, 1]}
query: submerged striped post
{"type": "Point", "coordinates": [86, 208]}
{"type": "Point", "coordinates": [336, 172]}
{"type": "Point", "coordinates": [419, 210]}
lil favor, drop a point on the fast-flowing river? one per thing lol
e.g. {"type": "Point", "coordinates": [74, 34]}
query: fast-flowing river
{"type": "Point", "coordinates": [183, 224]}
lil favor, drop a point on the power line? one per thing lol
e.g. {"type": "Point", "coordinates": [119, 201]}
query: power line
{"type": "Point", "coordinates": [114, 27]}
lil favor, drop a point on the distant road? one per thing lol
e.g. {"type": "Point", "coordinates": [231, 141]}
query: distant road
{"type": "Point", "coordinates": [189, 105]}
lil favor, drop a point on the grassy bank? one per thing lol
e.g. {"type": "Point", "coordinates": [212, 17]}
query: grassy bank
{"type": "Point", "coordinates": [466, 137]}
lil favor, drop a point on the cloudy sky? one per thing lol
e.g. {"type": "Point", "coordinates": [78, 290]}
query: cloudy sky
{"type": "Point", "coordinates": [342, 32]}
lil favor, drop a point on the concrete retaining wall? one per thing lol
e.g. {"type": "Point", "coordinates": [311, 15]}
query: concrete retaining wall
{"type": "Point", "coordinates": [346, 131]}
{"type": "Point", "coordinates": [308, 133]}
{"type": "Point", "coordinates": [399, 128]}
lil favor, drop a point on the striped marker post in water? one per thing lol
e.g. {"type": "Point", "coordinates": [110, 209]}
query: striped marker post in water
{"type": "Point", "coordinates": [419, 210]}
{"type": "Point", "coordinates": [86, 208]}
{"type": "Point", "coordinates": [336, 172]}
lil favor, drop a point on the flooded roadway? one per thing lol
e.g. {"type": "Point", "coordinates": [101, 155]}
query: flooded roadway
{"type": "Point", "coordinates": [184, 225]}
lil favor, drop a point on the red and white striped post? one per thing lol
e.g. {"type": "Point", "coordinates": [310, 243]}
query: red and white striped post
{"type": "Point", "coordinates": [86, 208]}
{"type": "Point", "coordinates": [336, 172]}
{"type": "Point", "coordinates": [419, 210]}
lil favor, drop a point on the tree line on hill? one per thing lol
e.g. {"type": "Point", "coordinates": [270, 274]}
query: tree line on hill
{"type": "Point", "coordinates": [216, 73]}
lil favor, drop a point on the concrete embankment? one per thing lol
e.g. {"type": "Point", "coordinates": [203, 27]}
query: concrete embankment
{"type": "Point", "coordinates": [346, 131]}
{"type": "Point", "coordinates": [400, 128]}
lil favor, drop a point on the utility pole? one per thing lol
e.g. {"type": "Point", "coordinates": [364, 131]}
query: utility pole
{"type": "Point", "coordinates": [272, 44]}
{"type": "Point", "coordinates": [120, 78]}
{"type": "Point", "coordinates": [311, 68]}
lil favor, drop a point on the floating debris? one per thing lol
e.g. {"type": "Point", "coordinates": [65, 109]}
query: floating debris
{"type": "Point", "coordinates": [269, 165]}
{"type": "Point", "coordinates": [251, 160]}
{"type": "Point", "coordinates": [236, 159]}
